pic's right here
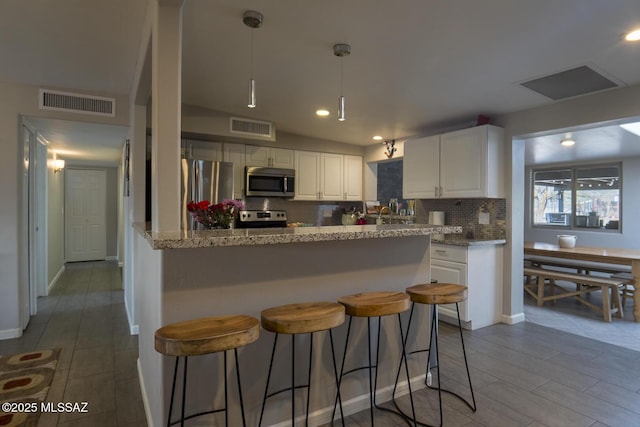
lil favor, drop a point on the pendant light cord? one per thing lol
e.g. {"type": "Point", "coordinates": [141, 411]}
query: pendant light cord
{"type": "Point", "coordinates": [251, 66]}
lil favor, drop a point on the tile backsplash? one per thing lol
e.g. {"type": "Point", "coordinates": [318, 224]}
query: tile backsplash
{"type": "Point", "coordinates": [316, 213]}
{"type": "Point", "coordinates": [462, 212]}
{"type": "Point", "coordinates": [465, 213]}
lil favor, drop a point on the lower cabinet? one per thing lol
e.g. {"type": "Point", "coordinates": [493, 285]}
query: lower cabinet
{"type": "Point", "coordinates": [479, 267]}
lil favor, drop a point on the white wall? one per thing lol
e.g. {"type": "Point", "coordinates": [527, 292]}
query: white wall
{"type": "Point", "coordinates": [630, 230]}
{"type": "Point", "coordinates": [16, 101]}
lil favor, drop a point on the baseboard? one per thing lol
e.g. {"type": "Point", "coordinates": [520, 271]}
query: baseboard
{"type": "Point", "coordinates": [133, 329]}
{"type": "Point", "coordinates": [145, 397]}
{"type": "Point", "coordinates": [55, 280]}
{"type": "Point", "coordinates": [8, 334]}
{"type": "Point", "coordinates": [356, 404]}
{"type": "Point", "coordinates": [512, 320]}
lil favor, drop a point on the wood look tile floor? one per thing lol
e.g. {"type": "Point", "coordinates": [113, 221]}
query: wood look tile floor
{"type": "Point", "coordinates": [84, 316]}
{"type": "Point", "coordinates": [523, 375]}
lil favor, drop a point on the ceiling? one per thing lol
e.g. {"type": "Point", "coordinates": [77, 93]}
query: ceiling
{"type": "Point", "coordinates": [416, 66]}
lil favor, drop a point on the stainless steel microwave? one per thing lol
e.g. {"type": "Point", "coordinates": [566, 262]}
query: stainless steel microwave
{"type": "Point", "coordinates": [269, 182]}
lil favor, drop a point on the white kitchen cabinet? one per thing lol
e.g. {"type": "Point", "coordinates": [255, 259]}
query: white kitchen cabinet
{"type": "Point", "coordinates": [471, 162]}
{"type": "Point", "coordinates": [307, 184]}
{"type": "Point", "coordinates": [269, 157]}
{"type": "Point", "coordinates": [421, 168]}
{"type": "Point", "coordinates": [465, 163]}
{"type": "Point", "coordinates": [319, 176]}
{"type": "Point", "coordinates": [352, 178]}
{"type": "Point", "coordinates": [479, 267]}
{"type": "Point", "coordinates": [235, 153]}
{"type": "Point", "coordinates": [205, 150]}
{"type": "Point", "coordinates": [331, 176]}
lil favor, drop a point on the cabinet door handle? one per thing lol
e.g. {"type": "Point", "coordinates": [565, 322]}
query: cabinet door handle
{"type": "Point", "coordinates": [345, 195]}
{"type": "Point", "coordinates": [436, 191]}
{"type": "Point", "coordinates": [441, 251]}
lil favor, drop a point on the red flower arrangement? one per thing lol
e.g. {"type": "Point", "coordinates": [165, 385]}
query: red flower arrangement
{"type": "Point", "coordinates": [218, 215]}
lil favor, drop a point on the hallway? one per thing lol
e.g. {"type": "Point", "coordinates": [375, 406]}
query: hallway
{"type": "Point", "coordinates": [85, 317]}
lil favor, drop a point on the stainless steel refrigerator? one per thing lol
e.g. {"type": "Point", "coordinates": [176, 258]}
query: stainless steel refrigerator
{"type": "Point", "coordinates": [204, 180]}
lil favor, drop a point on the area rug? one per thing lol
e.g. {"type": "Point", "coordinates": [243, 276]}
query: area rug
{"type": "Point", "coordinates": [24, 382]}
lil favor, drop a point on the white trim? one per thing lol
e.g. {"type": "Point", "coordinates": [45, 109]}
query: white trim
{"type": "Point", "coordinates": [512, 320]}
{"type": "Point", "coordinates": [357, 403]}
{"type": "Point", "coordinates": [145, 398]}
{"type": "Point", "coordinates": [10, 333]}
{"type": "Point", "coordinates": [133, 329]}
{"type": "Point", "coordinates": [55, 279]}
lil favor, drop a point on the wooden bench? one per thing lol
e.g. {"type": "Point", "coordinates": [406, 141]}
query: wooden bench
{"type": "Point", "coordinates": [579, 266]}
{"type": "Point", "coordinates": [586, 284]}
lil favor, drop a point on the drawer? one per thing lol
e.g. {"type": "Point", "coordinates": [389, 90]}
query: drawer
{"type": "Point", "coordinates": [449, 253]}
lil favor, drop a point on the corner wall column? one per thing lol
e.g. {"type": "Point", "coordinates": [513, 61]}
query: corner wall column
{"type": "Point", "coordinates": [166, 112]}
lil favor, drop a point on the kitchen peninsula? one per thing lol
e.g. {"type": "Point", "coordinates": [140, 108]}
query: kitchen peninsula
{"type": "Point", "coordinates": [185, 275]}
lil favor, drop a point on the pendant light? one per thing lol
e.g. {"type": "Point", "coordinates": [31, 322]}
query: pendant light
{"type": "Point", "coordinates": [252, 19]}
{"type": "Point", "coordinates": [341, 50]}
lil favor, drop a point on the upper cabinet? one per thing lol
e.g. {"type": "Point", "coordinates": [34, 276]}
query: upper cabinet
{"type": "Point", "coordinates": [327, 176]}
{"type": "Point", "coordinates": [421, 168]}
{"type": "Point", "coordinates": [235, 153]}
{"type": "Point", "coordinates": [467, 163]}
{"type": "Point", "coordinates": [269, 157]}
{"type": "Point", "coordinates": [352, 178]}
{"type": "Point", "coordinates": [205, 150]}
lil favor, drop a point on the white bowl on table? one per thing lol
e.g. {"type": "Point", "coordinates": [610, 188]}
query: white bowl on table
{"type": "Point", "coordinates": [567, 241]}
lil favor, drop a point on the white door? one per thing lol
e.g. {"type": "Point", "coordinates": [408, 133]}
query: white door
{"type": "Point", "coordinates": [85, 215]}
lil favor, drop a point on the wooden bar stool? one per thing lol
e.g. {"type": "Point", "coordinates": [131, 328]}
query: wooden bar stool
{"type": "Point", "coordinates": [295, 319]}
{"type": "Point", "coordinates": [434, 294]}
{"type": "Point", "coordinates": [205, 336]}
{"type": "Point", "coordinates": [368, 305]}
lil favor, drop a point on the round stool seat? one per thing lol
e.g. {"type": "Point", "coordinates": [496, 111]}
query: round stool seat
{"type": "Point", "coordinates": [375, 304]}
{"type": "Point", "coordinates": [437, 293]}
{"type": "Point", "coordinates": [206, 335]}
{"type": "Point", "coordinates": [302, 318]}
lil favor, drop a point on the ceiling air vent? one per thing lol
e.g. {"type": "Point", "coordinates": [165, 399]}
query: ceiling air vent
{"type": "Point", "coordinates": [250, 127]}
{"type": "Point", "coordinates": [566, 84]}
{"type": "Point", "coordinates": [77, 103]}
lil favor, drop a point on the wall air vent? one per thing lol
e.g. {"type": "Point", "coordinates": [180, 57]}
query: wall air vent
{"type": "Point", "coordinates": [77, 103]}
{"type": "Point", "coordinates": [250, 127]}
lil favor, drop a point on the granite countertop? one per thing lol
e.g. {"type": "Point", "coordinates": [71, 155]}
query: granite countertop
{"type": "Point", "coordinates": [273, 236]}
{"type": "Point", "coordinates": [461, 240]}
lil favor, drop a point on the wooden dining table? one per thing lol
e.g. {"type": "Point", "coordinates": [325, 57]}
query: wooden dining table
{"type": "Point", "coordinates": [630, 257]}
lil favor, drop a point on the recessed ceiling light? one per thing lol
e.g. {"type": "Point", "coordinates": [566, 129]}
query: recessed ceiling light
{"type": "Point", "coordinates": [567, 142]}
{"type": "Point", "coordinates": [632, 127]}
{"type": "Point", "coordinates": [633, 36]}
{"type": "Point", "coordinates": [377, 138]}
{"type": "Point", "coordinates": [322, 113]}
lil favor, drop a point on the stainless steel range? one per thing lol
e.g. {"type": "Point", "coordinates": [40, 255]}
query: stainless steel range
{"type": "Point", "coordinates": [262, 219]}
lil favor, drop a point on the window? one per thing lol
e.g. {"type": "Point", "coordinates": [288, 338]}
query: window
{"type": "Point", "coordinates": [578, 197]}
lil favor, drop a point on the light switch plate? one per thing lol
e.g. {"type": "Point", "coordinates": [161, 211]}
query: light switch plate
{"type": "Point", "coordinates": [484, 218]}
{"type": "Point", "coordinates": [327, 213]}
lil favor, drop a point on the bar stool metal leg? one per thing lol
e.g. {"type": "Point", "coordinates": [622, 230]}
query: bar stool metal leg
{"type": "Point", "coordinates": [173, 391]}
{"type": "Point", "coordinates": [266, 388]}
